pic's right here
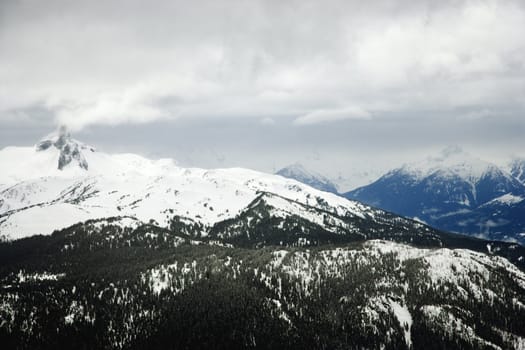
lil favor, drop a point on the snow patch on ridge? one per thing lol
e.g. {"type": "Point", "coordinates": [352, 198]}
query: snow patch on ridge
{"type": "Point", "coordinates": [508, 199]}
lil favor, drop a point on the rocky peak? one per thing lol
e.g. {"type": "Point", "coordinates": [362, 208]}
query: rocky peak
{"type": "Point", "coordinates": [70, 149]}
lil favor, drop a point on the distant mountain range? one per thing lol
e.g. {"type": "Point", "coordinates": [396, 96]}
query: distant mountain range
{"type": "Point", "coordinates": [455, 192]}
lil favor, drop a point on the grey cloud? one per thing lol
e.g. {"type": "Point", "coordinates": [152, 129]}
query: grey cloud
{"type": "Point", "coordinates": [99, 62]}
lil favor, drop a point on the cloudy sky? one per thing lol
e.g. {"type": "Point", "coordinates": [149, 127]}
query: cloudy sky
{"type": "Point", "coordinates": [345, 87]}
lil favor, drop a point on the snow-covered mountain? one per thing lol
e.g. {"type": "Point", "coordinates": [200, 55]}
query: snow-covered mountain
{"type": "Point", "coordinates": [61, 182]}
{"type": "Point", "coordinates": [298, 172]}
{"type": "Point", "coordinates": [453, 191]}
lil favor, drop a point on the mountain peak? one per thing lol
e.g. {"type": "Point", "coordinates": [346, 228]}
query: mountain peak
{"type": "Point", "coordinates": [69, 148]}
{"type": "Point", "coordinates": [298, 172]}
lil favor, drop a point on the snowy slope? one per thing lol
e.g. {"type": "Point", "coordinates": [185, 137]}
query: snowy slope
{"type": "Point", "coordinates": [37, 197]}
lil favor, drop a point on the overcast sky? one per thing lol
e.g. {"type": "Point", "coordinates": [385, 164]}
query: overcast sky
{"type": "Point", "coordinates": [344, 87]}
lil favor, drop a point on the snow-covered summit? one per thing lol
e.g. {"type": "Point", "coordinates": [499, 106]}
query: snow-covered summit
{"type": "Point", "coordinates": [453, 161]}
{"type": "Point", "coordinates": [298, 172]}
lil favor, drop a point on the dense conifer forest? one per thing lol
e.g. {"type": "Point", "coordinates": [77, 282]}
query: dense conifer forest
{"type": "Point", "coordinates": [99, 285]}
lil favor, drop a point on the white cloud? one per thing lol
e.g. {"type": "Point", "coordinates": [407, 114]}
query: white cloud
{"type": "Point", "coordinates": [136, 104]}
{"type": "Point", "coordinates": [324, 116]}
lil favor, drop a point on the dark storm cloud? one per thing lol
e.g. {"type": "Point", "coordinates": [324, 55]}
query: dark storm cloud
{"type": "Point", "coordinates": [390, 75]}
